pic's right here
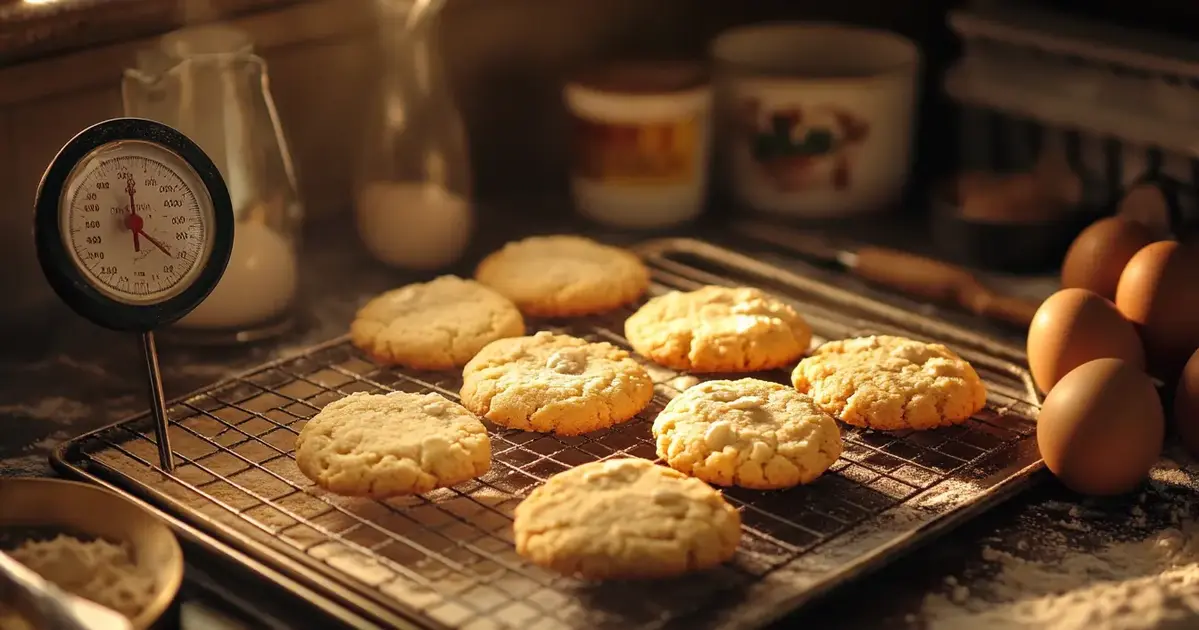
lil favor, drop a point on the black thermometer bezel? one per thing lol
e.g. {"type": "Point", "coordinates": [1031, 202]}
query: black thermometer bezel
{"type": "Point", "coordinates": [65, 277]}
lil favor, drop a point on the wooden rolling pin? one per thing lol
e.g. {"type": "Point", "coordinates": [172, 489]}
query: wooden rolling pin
{"type": "Point", "coordinates": [912, 275]}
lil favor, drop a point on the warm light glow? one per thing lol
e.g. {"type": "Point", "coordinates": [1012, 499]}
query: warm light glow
{"type": "Point", "coordinates": [39, 1]}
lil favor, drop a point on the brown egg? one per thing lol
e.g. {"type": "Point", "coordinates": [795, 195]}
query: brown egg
{"type": "Point", "coordinates": [1075, 326]}
{"type": "Point", "coordinates": [1099, 253]}
{"type": "Point", "coordinates": [1186, 406]}
{"type": "Point", "coordinates": [1159, 291]}
{"type": "Point", "coordinates": [1101, 428]}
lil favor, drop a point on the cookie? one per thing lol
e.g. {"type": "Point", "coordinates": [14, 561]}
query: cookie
{"type": "Point", "coordinates": [718, 329]}
{"type": "Point", "coordinates": [436, 325]}
{"type": "Point", "coordinates": [555, 384]}
{"type": "Point", "coordinates": [891, 383]}
{"type": "Point", "coordinates": [384, 445]}
{"type": "Point", "coordinates": [564, 276]}
{"type": "Point", "coordinates": [625, 518]}
{"type": "Point", "coordinates": [748, 433]}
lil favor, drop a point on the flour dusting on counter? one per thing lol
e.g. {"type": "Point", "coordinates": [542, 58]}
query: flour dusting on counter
{"type": "Point", "coordinates": [1121, 581]}
{"type": "Point", "coordinates": [51, 408]}
{"type": "Point", "coordinates": [63, 361]}
{"type": "Point", "coordinates": [33, 458]}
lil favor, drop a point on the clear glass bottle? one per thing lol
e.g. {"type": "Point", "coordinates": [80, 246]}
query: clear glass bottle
{"type": "Point", "coordinates": [412, 192]}
{"type": "Point", "coordinates": [208, 83]}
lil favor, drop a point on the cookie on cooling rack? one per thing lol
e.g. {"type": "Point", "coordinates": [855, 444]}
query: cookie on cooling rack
{"type": "Point", "coordinates": [436, 325]}
{"type": "Point", "coordinates": [718, 329]}
{"type": "Point", "coordinates": [564, 276]}
{"type": "Point", "coordinates": [748, 433]}
{"type": "Point", "coordinates": [385, 445]}
{"type": "Point", "coordinates": [891, 383]}
{"type": "Point", "coordinates": [625, 518]}
{"type": "Point", "coordinates": [555, 384]}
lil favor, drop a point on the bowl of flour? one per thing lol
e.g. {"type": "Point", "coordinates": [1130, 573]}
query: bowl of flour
{"type": "Point", "coordinates": [91, 543]}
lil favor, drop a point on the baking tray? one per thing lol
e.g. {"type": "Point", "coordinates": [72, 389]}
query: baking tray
{"type": "Point", "coordinates": [446, 559]}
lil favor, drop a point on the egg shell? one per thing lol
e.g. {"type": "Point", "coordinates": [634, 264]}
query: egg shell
{"type": "Point", "coordinates": [1159, 292]}
{"type": "Point", "coordinates": [1101, 428]}
{"type": "Point", "coordinates": [1099, 254]}
{"type": "Point", "coordinates": [1186, 406]}
{"type": "Point", "coordinates": [1074, 326]}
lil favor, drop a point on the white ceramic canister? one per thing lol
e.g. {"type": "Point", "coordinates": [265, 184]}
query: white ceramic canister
{"type": "Point", "coordinates": [641, 143]}
{"type": "Point", "coordinates": [815, 120]}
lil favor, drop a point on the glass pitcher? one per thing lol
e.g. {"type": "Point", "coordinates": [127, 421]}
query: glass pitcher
{"type": "Point", "coordinates": [413, 183]}
{"type": "Point", "coordinates": [208, 83]}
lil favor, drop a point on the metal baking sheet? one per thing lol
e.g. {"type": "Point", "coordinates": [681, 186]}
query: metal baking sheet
{"type": "Point", "coordinates": [446, 559]}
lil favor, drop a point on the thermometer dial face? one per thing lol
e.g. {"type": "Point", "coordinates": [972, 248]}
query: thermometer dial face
{"type": "Point", "coordinates": [133, 224]}
{"type": "Point", "coordinates": [136, 220]}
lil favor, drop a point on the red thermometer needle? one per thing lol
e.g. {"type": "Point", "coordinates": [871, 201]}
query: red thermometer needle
{"type": "Point", "coordinates": [132, 221]}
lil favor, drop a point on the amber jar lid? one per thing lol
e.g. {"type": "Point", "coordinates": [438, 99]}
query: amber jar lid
{"type": "Point", "coordinates": [645, 77]}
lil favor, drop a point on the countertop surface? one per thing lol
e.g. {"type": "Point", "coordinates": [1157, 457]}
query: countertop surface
{"type": "Point", "coordinates": [79, 377]}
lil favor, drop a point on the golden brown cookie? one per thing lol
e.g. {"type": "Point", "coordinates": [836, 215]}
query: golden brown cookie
{"type": "Point", "coordinates": [436, 325]}
{"type": "Point", "coordinates": [555, 383]}
{"type": "Point", "coordinates": [748, 433]}
{"type": "Point", "coordinates": [891, 383]}
{"type": "Point", "coordinates": [718, 329]}
{"type": "Point", "coordinates": [384, 445]}
{"type": "Point", "coordinates": [564, 276]}
{"type": "Point", "coordinates": [625, 518]}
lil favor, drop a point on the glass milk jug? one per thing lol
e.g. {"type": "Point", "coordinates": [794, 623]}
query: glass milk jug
{"type": "Point", "coordinates": [413, 186]}
{"type": "Point", "coordinates": [208, 83]}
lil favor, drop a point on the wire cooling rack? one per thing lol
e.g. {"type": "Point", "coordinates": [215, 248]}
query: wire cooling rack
{"type": "Point", "coordinates": [446, 558]}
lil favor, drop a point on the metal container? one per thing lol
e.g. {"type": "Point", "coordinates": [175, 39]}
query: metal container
{"type": "Point", "coordinates": [86, 510]}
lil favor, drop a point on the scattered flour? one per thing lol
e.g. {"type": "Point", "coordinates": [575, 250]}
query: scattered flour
{"type": "Point", "coordinates": [923, 508]}
{"type": "Point", "coordinates": [52, 409]}
{"type": "Point", "coordinates": [1170, 473]}
{"type": "Point", "coordinates": [34, 459]}
{"type": "Point", "coordinates": [1123, 583]}
{"type": "Point", "coordinates": [58, 362]}
{"type": "Point", "coordinates": [948, 494]}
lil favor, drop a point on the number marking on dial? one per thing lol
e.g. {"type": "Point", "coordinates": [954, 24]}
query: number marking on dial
{"type": "Point", "coordinates": [136, 227]}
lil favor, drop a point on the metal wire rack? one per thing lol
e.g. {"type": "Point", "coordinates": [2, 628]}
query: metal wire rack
{"type": "Point", "coordinates": [446, 558]}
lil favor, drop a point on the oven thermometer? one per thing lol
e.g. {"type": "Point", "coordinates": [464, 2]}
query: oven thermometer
{"type": "Point", "coordinates": [134, 227]}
